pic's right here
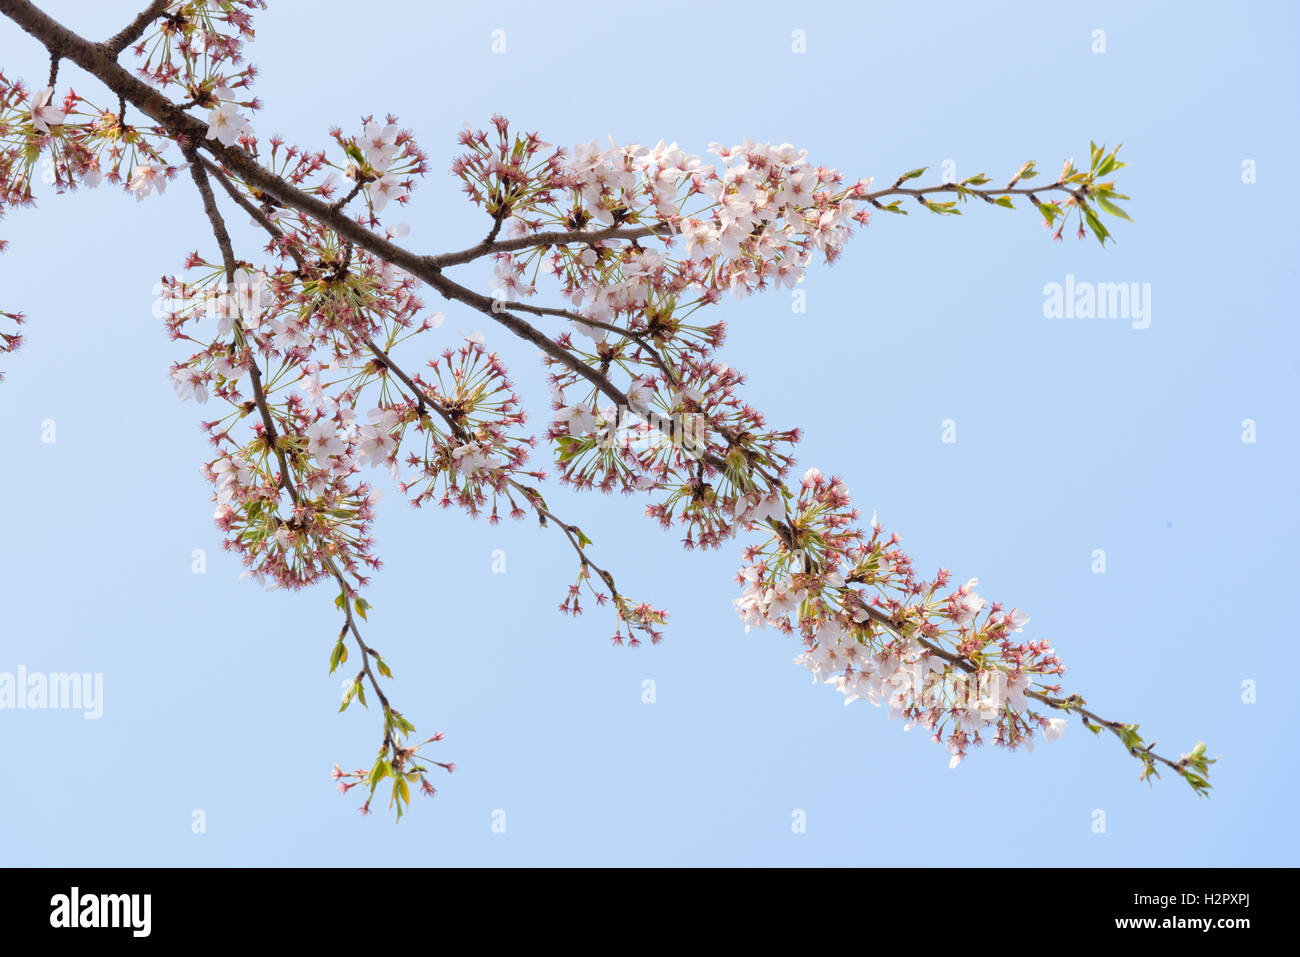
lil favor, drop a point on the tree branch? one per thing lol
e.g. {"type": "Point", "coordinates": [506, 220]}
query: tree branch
{"type": "Point", "coordinates": [490, 247]}
{"type": "Point", "coordinates": [135, 29]}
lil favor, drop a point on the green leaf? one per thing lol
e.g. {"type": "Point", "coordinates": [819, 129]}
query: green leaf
{"type": "Point", "coordinates": [912, 174]}
{"type": "Point", "coordinates": [362, 607]}
{"type": "Point", "coordinates": [1004, 201]}
{"type": "Point", "coordinates": [1109, 163]}
{"type": "Point", "coordinates": [1098, 229]}
{"type": "Point", "coordinates": [1129, 736]}
{"type": "Point", "coordinates": [352, 693]}
{"type": "Point", "coordinates": [568, 448]}
{"type": "Point", "coordinates": [1111, 208]}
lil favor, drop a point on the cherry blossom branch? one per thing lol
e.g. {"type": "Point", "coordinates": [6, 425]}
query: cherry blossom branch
{"type": "Point", "coordinates": [222, 237]}
{"type": "Point", "coordinates": [765, 216]}
{"type": "Point", "coordinates": [635, 618]}
{"type": "Point", "coordinates": [277, 235]}
{"type": "Point", "coordinates": [669, 425]}
{"type": "Point", "coordinates": [421, 396]}
{"type": "Point", "coordinates": [1071, 704]}
{"type": "Point", "coordinates": [425, 401]}
{"type": "Point", "coordinates": [393, 757]}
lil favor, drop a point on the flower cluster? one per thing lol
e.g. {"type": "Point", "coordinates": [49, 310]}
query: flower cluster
{"type": "Point", "coordinates": [944, 659]}
{"type": "Point", "coordinates": [288, 545]}
{"type": "Point", "coordinates": [197, 47]}
{"type": "Point", "coordinates": [382, 163]}
{"type": "Point", "coordinates": [404, 766]}
{"type": "Point", "coordinates": [15, 184]}
{"type": "Point", "coordinates": [507, 174]}
{"type": "Point", "coordinates": [469, 457]}
{"type": "Point", "coordinates": [81, 145]}
{"type": "Point", "coordinates": [750, 222]}
{"type": "Point", "coordinates": [287, 494]}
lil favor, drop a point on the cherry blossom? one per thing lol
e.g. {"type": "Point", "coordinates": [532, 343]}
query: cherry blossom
{"type": "Point", "coordinates": [189, 384]}
{"type": "Point", "coordinates": [323, 441]}
{"type": "Point", "coordinates": [146, 178]}
{"type": "Point", "coordinates": [43, 115]}
{"type": "Point", "coordinates": [226, 125]}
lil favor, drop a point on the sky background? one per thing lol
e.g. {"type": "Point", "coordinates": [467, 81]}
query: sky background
{"type": "Point", "coordinates": [1072, 435]}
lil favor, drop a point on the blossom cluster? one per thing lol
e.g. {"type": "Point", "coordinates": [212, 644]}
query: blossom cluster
{"type": "Point", "coordinates": [81, 144]}
{"type": "Point", "coordinates": [291, 505]}
{"type": "Point", "coordinates": [751, 222]}
{"type": "Point", "coordinates": [474, 456]}
{"type": "Point", "coordinates": [197, 48]}
{"type": "Point", "coordinates": [875, 631]}
{"type": "Point", "coordinates": [382, 162]}
{"type": "Point", "coordinates": [75, 143]}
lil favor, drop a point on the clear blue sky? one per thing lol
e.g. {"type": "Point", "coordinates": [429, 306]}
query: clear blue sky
{"type": "Point", "coordinates": [1073, 435]}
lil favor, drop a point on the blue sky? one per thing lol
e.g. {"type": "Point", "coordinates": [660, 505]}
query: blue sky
{"type": "Point", "coordinates": [1072, 435]}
